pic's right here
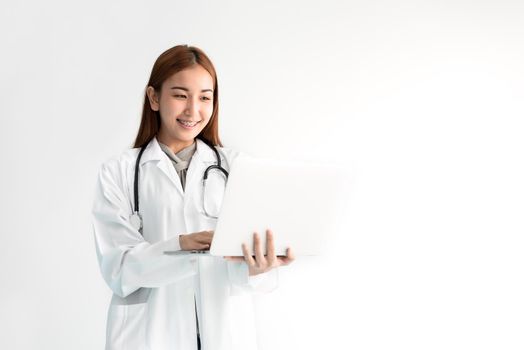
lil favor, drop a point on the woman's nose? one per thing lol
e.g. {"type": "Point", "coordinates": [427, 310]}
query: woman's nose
{"type": "Point", "coordinates": [191, 106]}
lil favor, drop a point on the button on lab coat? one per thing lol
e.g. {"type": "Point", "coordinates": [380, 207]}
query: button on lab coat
{"type": "Point", "coordinates": [153, 302]}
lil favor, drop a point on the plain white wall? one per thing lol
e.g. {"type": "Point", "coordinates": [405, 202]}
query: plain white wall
{"type": "Point", "coordinates": [424, 99]}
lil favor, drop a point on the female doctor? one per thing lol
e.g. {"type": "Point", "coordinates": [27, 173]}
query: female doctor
{"type": "Point", "coordinates": [152, 199]}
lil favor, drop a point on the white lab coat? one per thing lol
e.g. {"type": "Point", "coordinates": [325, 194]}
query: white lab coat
{"type": "Point", "coordinates": [153, 303]}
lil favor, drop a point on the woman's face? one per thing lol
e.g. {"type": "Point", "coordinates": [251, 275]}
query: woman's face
{"type": "Point", "coordinates": [185, 103]}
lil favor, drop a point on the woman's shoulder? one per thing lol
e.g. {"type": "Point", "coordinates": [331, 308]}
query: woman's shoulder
{"type": "Point", "coordinates": [207, 152]}
{"type": "Point", "coordinates": [120, 162]}
{"type": "Point", "coordinates": [231, 154]}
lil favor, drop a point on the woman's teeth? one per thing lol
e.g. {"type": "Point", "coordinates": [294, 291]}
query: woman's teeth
{"type": "Point", "coordinates": [188, 124]}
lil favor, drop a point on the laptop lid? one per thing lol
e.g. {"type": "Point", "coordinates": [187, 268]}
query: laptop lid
{"type": "Point", "coordinates": [300, 202]}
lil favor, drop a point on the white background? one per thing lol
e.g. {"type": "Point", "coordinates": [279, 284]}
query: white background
{"type": "Point", "coordinates": [424, 99]}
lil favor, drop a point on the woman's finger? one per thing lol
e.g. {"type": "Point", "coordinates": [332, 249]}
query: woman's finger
{"type": "Point", "coordinates": [200, 246]}
{"type": "Point", "coordinates": [247, 255]}
{"type": "Point", "coordinates": [288, 259]}
{"type": "Point", "coordinates": [204, 241]}
{"type": "Point", "coordinates": [270, 244]}
{"type": "Point", "coordinates": [259, 255]}
{"type": "Point", "coordinates": [290, 254]}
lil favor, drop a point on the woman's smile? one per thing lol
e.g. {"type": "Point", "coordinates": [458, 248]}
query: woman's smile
{"type": "Point", "coordinates": [186, 124]}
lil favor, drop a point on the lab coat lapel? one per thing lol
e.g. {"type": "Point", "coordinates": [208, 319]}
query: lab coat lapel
{"type": "Point", "coordinates": [154, 152]}
{"type": "Point", "coordinates": [167, 167]}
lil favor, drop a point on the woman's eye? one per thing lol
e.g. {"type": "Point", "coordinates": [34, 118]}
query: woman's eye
{"type": "Point", "coordinates": [183, 96]}
{"type": "Point", "coordinates": [206, 98]}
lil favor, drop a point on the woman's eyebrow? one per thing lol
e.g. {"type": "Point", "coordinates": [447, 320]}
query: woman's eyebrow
{"type": "Point", "coordinates": [186, 89]}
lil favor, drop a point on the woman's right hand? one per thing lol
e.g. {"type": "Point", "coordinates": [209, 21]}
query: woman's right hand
{"type": "Point", "coordinates": [196, 241]}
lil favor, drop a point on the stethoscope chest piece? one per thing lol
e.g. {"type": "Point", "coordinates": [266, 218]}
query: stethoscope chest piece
{"type": "Point", "coordinates": [136, 221]}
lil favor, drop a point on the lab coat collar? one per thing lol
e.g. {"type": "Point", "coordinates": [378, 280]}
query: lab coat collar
{"type": "Point", "coordinates": [201, 158]}
{"type": "Point", "coordinates": [154, 152]}
{"type": "Point", "coordinates": [205, 153]}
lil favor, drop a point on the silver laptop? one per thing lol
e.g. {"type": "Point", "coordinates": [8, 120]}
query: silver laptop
{"type": "Point", "coordinates": [301, 202]}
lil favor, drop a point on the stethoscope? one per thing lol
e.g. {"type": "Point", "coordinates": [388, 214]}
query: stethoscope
{"type": "Point", "coordinates": [136, 219]}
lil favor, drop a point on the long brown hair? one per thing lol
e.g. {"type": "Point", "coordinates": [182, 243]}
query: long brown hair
{"type": "Point", "coordinates": [168, 63]}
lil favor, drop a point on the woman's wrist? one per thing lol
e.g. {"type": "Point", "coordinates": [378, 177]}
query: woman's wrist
{"type": "Point", "coordinates": [181, 241]}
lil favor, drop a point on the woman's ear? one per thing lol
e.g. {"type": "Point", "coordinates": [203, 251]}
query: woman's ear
{"type": "Point", "coordinates": [153, 98]}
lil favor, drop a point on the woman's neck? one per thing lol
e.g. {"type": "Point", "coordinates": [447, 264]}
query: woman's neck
{"type": "Point", "coordinates": [173, 144]}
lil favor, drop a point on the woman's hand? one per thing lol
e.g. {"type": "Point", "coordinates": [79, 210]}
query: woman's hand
{"type": "Point", "coordinates": [196, 241]}
{"type": "Point", "coordinates": [263, 263]}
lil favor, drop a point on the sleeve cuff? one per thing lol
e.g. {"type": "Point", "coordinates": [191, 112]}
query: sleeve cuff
{"type": "Point", "coordinates": [265, 282]}
{"type": "Point", "coordinates": [241, 282]}
{"type": "Point", "coordinates": [172, 244]}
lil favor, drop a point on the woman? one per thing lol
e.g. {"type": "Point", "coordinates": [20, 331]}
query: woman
{"type": "Point", "coordinates": [175, 301]}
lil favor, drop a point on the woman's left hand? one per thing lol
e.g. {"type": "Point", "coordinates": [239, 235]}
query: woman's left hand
{"type": "Point", "coordinates": [263, 263]}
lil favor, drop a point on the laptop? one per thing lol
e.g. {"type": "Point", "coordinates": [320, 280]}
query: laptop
{"type": "Point", "coordinates": [301, 202]}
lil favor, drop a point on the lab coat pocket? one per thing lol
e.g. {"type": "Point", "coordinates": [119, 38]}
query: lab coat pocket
{"type": "Point", "coordinates": [127, 326]}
